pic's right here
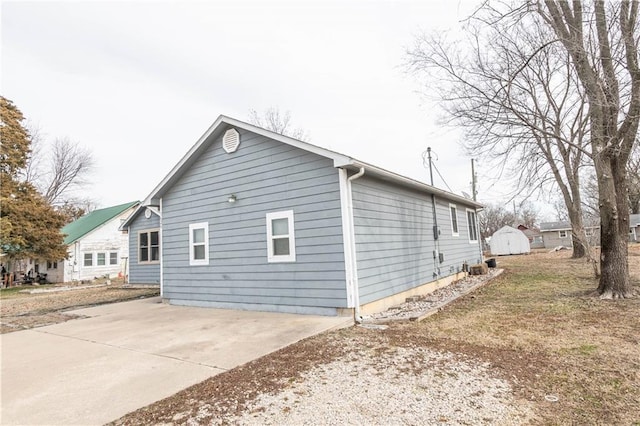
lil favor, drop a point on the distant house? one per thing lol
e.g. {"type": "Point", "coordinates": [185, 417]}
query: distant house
{"type": "Point", "coordinates": [634, 228]}
{"type": "Point", "coordinates": [508, 240]}
{"type": "Point", "coordinates": [96, 246]}
{"type": "Point", "coordinates": [251, 219]}
{"type": "Point", "coordinates": [533, 235]}
{"type": "Point", "coordinates": [557, 234]}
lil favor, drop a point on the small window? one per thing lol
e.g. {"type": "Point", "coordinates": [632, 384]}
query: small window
{"type": "Point", "coordinates": [453, 212]}
{"type": "Point", "coordinates": [148, 247]}
{"type": "Point", "coordinates": [52, 265]}
{"type": "Point", "coordinates": [281, 245]}
{"type": "Point", "coordinates": [113, 258]}
{"type": "Point", "coordinates": [101, 259]}
{"type": "Point", "coordinates": [473, 230]}
{"type": "Point", "coordinates": [88, 259]}
{"type": "Point", "coordinates": [562, 234]}
{"type": "Point", "coordinates": [199, 243]}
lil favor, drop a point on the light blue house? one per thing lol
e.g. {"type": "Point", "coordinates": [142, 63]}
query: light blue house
{"type": "Point", "coordinates": [251, 219]}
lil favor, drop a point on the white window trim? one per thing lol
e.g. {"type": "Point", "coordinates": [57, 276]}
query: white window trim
{"type": "Point", "coordinates": [291, 257]}
{"type": "Point", "coordinates": [110, 253]}
{"type": "Point", "coordinates": [562, 236]}
{"type": "Point", "coordinates": [192, 227]}
{"type": "Point", "coordinates": [104, 258]}
{"type": "Point", "coordinates": [149, 231]}
{"type": "Point", "coordinates": [475, 217]}
{"type": "Point", "coordinates": [84, 260]}
{"type": "Point", "coordinates": [453, 231]}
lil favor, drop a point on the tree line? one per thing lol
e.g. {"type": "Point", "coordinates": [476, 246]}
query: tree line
{"type": "Point", "coordinates": [549, 91]}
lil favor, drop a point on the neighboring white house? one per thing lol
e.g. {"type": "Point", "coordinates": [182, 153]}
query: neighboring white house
{"type": "Point", "coordinates": [96, 246]}
{"type": "Point", "coordinates": [508, 240]}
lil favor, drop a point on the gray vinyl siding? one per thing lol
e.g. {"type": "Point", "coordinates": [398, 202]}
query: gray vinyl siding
{"type": "Point", "coordinates": [457, 250]}
{"type": "Point", "coordinates": [552, 239]}
{"type": "Point", "coordinates": [142, 273]}
{"type": "Point", "coordinates": [394, 239]}
{"type": "Point", "coordinates": [266, 176]}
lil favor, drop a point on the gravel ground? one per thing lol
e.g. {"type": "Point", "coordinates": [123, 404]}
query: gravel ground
{"type": "Point", "coordinates": [420, 306]}
{"type": "Point", "coordinates": [408, 386]}
{"type": "Point", "coordinates": [354, 378]}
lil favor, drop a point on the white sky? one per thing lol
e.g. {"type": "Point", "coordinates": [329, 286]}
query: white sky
{"type": "Point", "coordinates": [139, 82]}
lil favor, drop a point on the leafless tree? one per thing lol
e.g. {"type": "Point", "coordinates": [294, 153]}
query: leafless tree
{"type": "Point", "coordinates": [59, 170]}
{"type": "Point", "coordinates": [517, 98]}
{"type": "Point", "coordinates": [602, 41]}
{"type": "Point", "coordinates": [494, 217]}
{"type": "Point", "coordinates": [70, 164]}
{"type": "Point", "coordinates": [278, 122]}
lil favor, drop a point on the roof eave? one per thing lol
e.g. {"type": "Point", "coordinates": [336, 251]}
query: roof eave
{"type": "Point", "coordinates": [394, 177]}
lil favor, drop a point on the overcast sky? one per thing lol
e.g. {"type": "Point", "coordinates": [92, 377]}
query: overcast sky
{"type": "Point", "coordinates": [139, 82]}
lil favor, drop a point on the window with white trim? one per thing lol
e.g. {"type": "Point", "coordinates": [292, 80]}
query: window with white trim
{"type": "Point", "coordinates": [199, 244]}
{"type": "Point", "coordinates": [113, 258]}
{"type": "Point", "coordinates": [281, 243]}
{"type": "Point", "coordinates": [453, 213]}
{"type": "Point", "coordinates": [148, 246]}
{"type": "Point", "coordinates": [102, 260]}
{"type": "Point", "coordinates": [88, 259]}
{"type": "Point", "coordinates": [562, 234]}
{"type": "Point", "coordinates": [473, 229]}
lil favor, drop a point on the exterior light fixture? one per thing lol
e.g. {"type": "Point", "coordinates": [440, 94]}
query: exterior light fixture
{"type": "Point", "coordinates": [232, 199]}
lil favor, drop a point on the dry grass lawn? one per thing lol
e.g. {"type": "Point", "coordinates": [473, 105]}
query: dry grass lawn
{"type": "Point", "coordinates": [20, 311]}
{"type": "Point", "coordinates": [539, 325]}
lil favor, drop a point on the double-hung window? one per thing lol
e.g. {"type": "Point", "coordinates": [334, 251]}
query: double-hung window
{"type": "Point", "coordinates": [88, 259]}
{"type": "Point", "coordinates": [148, 246]}
{"type": "Point", "coordinates": [113, 258]}
{"type": "Point", "coordinates": [199, 244]}
{"type": "Point", "coordinates": [453, 212]}
{"type": "Point", "coordinates": [281, 244]}
{"type": "Point", "coordinates": [562, 234]}
{"type": "Point", "coordinates": [473, 229]}
{"type": "Point", "coordinates": [101, 259]}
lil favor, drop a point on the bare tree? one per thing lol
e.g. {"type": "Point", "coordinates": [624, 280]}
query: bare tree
{"type": "Point", "coordinates": [70, 163]}
{"type": "Point", "coordinates": [517, 98]}
{"type": "Point", "coordinates": [494, 217]}
{"type": "Point", "coordinates": [59, 170]}
{"type": "Point", "coordinates": [272, 119]}
{"type": "Point", "coordinates": [602, 41]}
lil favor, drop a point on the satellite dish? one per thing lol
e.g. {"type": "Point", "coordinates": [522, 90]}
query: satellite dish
{"type": "Point", "coordinates": [466, 195]}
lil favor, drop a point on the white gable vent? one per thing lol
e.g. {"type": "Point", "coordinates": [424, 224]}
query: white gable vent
{"type": "Point", "coordinates": [231, 141]}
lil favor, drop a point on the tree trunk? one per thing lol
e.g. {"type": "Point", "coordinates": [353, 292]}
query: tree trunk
{"type": "Point", "coordinates": [614, 230]}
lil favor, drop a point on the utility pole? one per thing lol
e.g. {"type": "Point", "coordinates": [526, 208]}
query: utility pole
{"type": "Point", "coordinates": [473, 180]}
{"type": "Point", "coordinates": [430, 168]}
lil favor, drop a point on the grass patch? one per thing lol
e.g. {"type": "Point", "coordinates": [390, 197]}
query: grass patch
{"type": "Point", "coordinates": [568, 342]}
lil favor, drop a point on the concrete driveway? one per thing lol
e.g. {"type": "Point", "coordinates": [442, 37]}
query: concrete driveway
{"type": "Point", "coordinates": [124, 356]}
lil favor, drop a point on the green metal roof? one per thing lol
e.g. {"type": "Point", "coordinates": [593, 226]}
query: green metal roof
{"type": "Point", "coordinates": [87, 223]}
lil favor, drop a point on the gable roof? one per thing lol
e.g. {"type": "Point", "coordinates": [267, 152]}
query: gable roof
{"type": "Point", "coordinates": [223, 123]}
{"type": "Point", "coordinates": [555, 226]}
{"type": "Point", "coordinates": [87, 223]}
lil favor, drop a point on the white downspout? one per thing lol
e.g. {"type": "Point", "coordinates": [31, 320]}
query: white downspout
{"type": "Point", "coordinates": [161, 251]}
{"type": "Point", "coordinates": [354, 264]}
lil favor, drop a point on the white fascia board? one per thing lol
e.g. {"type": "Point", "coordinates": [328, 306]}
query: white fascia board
{"type": "Point", "coordinates": [135, 213]}
{"type": "Point", "coordinates": [222, 122]}
{"type": "Point", "coordinates": [339, 161]}
{"type": "Point", "coordinates": [405, 181]}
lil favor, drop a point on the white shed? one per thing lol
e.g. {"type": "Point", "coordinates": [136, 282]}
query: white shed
{"type": "Point", "coordinates": [508, 240]}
